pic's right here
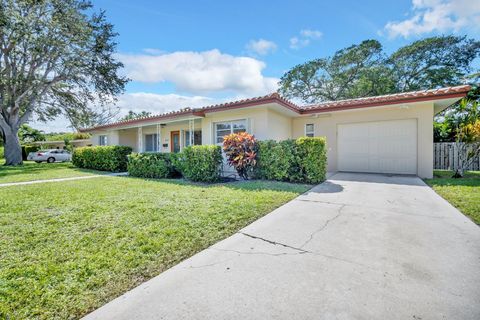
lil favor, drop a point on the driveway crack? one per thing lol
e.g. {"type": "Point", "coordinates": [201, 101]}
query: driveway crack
{"type": "Point", "coordinates": [274, 242]}
{"type": "Point", "coordinates": [323, 226]}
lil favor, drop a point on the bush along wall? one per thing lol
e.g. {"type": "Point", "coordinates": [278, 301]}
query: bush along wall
{"type": "Point", "coordinates": [104, 158]}
{"type": "Point", "coordinates": [150, 165]}
{"type": "Point", "coordinates": [26, 149]}
{"type": "Point", "coordinates": [200, 163]}
{"type": "Point", "coordinates": [302, 160]}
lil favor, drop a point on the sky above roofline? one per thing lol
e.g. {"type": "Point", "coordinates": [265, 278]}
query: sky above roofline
{"type": "Point", "coordinates": [194, 53]}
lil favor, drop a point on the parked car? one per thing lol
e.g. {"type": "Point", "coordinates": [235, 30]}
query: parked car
{"type": "Point", "coordinates": [50, 156]}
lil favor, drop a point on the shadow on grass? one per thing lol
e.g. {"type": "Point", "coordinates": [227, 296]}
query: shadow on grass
{"type": "Point", "coordinates": [251, 185]}
{"type": "Point", "coordinates": [444, 178]}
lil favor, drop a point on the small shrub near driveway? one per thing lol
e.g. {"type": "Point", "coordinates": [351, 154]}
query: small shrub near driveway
{"type": "Point", "coordinates": [302, 160]}
{"type": "Point", "coordinates": [241, 151]}
{"type": "Point", "coordinates": [104, 158]}
{"type": "Point", "coordinates": [150, 165]}
{"type": "Point", "coordinates": [312, 158]}
{"type": "Point", "coordinates": [200, 163]}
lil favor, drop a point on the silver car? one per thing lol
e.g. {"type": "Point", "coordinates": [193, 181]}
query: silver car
{"type": "Point", "coordinates": [50, 156]}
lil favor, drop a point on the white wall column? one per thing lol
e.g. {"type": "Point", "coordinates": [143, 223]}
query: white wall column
{"type": "Point", "coordinates": [140, 139]}
{"type": "Point", "coordinates": [182, 139]}
{"type": "Point", "coordinates": [159, 138]}
{"type": "Point", "coordinates": [191, 130]}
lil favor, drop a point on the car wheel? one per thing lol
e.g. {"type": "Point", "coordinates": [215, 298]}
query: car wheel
{"type": "Point", "coordinates": [38, 161]}
{"type": "Point", "coordinates": [51, 160]}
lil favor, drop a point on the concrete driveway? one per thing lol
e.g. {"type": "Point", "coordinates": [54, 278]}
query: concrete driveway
{"type": "Point", "coordinates": [359, 246]}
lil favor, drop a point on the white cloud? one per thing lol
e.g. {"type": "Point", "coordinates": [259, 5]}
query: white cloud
{"type": "Point", "coordinates": [312, 34]}
{"type": "Point", "coordinates": [305, 38]}
{"type": "Point", "coordinates": [201, 72]}
{"type": "Point", "coordinates": [261, 46]}
{"type": "Point", "coordinates": [436, 16]}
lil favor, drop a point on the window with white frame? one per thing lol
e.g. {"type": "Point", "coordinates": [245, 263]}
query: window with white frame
{"type": "Point", "coordinates": [197, 138]}
{"type": "Point", "coordinates": [151, 142]}
{"type": "Point", "coordinates": [102, 140]}
{"type": "Point", "coordinates": [228, 127]}
{"type": "Point", "coordinates": [310, 130]}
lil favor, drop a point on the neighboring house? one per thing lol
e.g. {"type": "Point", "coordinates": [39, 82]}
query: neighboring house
{"type": "Point", "coordinates": [382, 134]}
{"type": "Point", "coordinates": [60, 144]}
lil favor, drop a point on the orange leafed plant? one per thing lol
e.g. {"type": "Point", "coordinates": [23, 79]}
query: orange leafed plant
{"type": "Point", "coordinates": [241, 151]}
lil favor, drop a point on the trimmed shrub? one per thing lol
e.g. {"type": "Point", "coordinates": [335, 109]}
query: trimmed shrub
{"type": "Point", "coordinates": [301, 160]}
{"type": "Point", "coordinates": [150, 165]}
{"type": "Point", "coordinates": [104, 158]}
{"type": "Point", "coordinates": [200, 163]}
{"type": "Point", "coordinates": [27, 149]}
{"type": "Point", "coordinates": [312, 158]}
{"type": "Point", "coordinates": [275, 159]}
{"type": "Point", "coordinates": [241, 151]}
{"type": "Point", "coordinates": [2, 154]}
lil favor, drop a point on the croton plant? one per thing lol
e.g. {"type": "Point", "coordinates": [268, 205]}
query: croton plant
{"type": "Point", "coordinates": [241, 151]}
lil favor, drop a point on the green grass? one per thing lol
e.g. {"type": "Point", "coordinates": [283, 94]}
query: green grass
{"type": "Point", "coordinates": [462, 193]}
{"type": "Point", "coordinates": [68, 248]}
{"type": "Point", "coordinates": [30, 171]}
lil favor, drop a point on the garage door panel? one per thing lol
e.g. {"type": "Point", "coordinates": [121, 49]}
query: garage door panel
{"type": "Point", "coordinates": [382, 146]}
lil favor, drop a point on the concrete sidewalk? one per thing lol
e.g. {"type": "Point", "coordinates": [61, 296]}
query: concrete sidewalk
{"type": "Point", "coordinates": [62, 179]}
{"type": "Point", "coordinates": [358, 246]}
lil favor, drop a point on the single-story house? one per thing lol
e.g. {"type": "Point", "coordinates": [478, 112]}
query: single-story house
{"type": "Point", "coordinates": [381, 134]}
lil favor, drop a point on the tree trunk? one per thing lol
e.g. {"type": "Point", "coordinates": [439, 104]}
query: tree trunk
{"type": "Point", "coordinates": [12, 148]}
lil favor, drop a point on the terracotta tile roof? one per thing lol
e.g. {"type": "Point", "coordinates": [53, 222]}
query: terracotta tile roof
{"type": "Point", "coordinates": [329, 106]}
{"type": "Point", "coordinates": [404, 97]}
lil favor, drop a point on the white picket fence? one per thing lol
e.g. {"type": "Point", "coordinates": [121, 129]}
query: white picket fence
{"type": "Point", "coordinates": [445, 157]}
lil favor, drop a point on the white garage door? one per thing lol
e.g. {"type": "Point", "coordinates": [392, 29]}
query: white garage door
{"type": "Point", "coordinates": [382, 146]}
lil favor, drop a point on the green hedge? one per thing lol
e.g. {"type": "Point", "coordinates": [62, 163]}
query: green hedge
{"type": "Point", "coordinates": [104, 158]}
{"type": "Point", "coordinates": [27, 149]}
{"type": "Point", "coordinates": [301, 160]}
{"type": "Point", "coordinates": [199, 163]}
{"type": "Point", "coordinates": [150, 165]}
{"type": "Point", "coordinates": [2, 154]}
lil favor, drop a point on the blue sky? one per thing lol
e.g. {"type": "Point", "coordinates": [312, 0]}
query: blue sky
{"type": "Point", "coordinates": [193, 53]}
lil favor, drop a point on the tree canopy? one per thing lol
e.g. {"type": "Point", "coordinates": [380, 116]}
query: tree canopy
{"type": "Point", "coordinates": [135, 115]}
{"type": "Point", "coordinates": [364, 69]}
{"type": "Point", "coordinates": [56, 57]}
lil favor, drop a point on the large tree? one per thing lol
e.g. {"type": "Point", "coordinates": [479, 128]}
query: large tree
{"type": "Point", "coordinates": [56, 57]}
{"type": "Point", "coordinates": [365, 70]}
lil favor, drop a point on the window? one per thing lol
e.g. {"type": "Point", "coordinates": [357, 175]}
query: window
{"type": "Point", "coordinates": [225, 128]}
{"type": "Point", "coordinates": [151, 142]}
{"type": "Point", "coordinates": [310, 130]}
{"type": "Point", "coordinates": [197, 138]}
{"type": "Point", "coordinates": [102, 140]}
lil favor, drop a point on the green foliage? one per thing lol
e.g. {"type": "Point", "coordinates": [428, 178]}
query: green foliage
{"type": "Point", "coordinates": [241, 151]}
{"type": "Point", "coordinates": [135, 115]}
{"type": "Point", "coordinates": [1, 153]}
{"type": "Point", "coordinates": [200, 163]}
{"type": "Point", "coordinates": [301, 160]}
{"type": "Point", "coordinates": [61, 136]}
{"type": "Point", "coordinates": [26, 149]}
{"type": "Point", "coordinates": [29, 134]}
{"type": "Point", "coordinates": [312, 158]}
{"type": "Point", "coordinates": [150, 165]}
{"type": "Point", "coordinates": [365, 70]}
{"type": "Point", "coordinates": [103, 158]}
{"type": "Point", "coordinates": [275, 159]}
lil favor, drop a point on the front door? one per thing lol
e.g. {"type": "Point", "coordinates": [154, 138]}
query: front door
{"type": "Point", "coordinates": [175, 141]}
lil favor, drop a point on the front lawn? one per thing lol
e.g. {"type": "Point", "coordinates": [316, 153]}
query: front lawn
{"type": "Point", "coordinates": [68, 248]}
{"type": "Point", "coordinates": [463, 193]}
{"type": "Point", "coordinates": [30, 171]}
